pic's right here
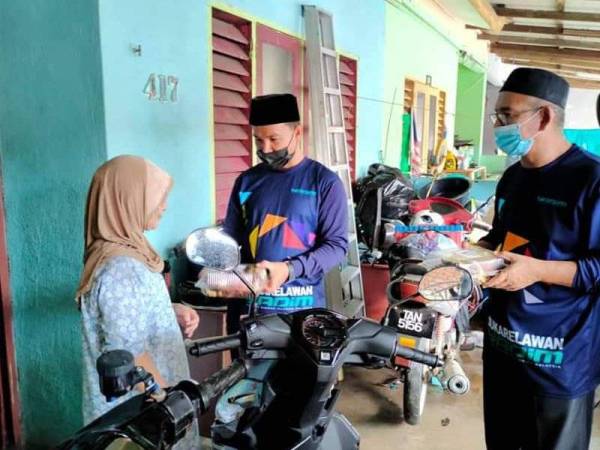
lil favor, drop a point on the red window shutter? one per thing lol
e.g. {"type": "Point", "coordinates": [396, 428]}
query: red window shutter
{"type": "Point", "coordinates": [232, 83]}
{"type": "Point", "coordinates": [230, 148]}
{"type": "Point", "coordinates": [229, 115]}
{"type": "Point", "coordinates": [229, 65]}
{"type": "Point", "coordinates": [229, 48]}
{"type": "Point", "coordinates": [229, 82]}
{"type": "Point", "coordinates": [348, 69]}
{"type": "Point", "coordinates": [228, 30]}
{"type": "Point", "coordinates": [223, 97]}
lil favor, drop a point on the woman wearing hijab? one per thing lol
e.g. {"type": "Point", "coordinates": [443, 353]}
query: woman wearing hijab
{"type": "Point", "coordinates": [122, 295]}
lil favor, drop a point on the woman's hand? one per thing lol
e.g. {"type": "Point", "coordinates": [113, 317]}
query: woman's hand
{"type": "Point", "coordinates": [187, 318]}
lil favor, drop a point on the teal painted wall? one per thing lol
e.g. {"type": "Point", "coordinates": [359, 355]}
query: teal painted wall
{"type": "Point", "coordinates": [178, 136]}
{"type": "Point", "coordinates": [470, 106]}
{"type": "Point", "coordinates": [73, 98]}
{"type": "Point", "coordinates": [51, 115]}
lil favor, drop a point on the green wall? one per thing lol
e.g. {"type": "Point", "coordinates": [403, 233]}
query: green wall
{"type": "Point", "coordinates": [413, 49]}
{"type": "Point", "coordinates": [470, 105]}
{"type": "Point", "coordinates": [51, 114]}
{"type": "Point", "coordinates": [418, 44]}
{"type": "Point", "coordinates": [495, 164]}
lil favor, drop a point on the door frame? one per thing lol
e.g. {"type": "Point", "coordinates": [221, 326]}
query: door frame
{"type": "Point", "coordinates": [10, 408]}
{"type": "Point", "coordinates": [295, 46]}
{"type": "Point", "coordinates": [428, 91]}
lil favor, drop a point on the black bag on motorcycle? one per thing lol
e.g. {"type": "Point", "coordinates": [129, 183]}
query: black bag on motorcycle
{"type": "Point", "coordinates": [395, 193]}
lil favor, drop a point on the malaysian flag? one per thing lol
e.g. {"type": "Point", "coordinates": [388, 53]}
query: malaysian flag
{"type": "Point", "coordinates": [415, 148]}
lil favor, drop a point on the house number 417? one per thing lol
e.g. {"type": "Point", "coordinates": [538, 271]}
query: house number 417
{"type": "Point", "coordinates": [167, 87]}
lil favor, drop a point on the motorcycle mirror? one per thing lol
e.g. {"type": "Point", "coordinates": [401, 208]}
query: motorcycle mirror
{"type": "Point", "coordinates": [446, 283]}
{"type": "Point", "coordinates": [212, 247]}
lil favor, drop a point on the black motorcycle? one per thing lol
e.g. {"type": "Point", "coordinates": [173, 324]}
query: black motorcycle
{"type": "Point", "coordinates": [293, 406]}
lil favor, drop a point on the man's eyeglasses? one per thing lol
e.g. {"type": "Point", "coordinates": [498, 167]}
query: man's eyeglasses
{"type": "Point", "coordinates": [505, 117]}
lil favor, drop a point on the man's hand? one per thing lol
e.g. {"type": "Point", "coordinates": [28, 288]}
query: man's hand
{"type": "Point", "coordinates": [521, 272]}
{"type": "Point", "coordinates": [278, 274]}
{"type": "Point", "coordinates": [187, 318]}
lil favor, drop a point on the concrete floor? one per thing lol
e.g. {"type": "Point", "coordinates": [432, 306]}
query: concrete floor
{"type": "Point", "coordinates": [449, 422]}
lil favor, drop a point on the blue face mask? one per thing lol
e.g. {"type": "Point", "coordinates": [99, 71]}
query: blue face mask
{"type": "Point", "coordinates": [510, 140]}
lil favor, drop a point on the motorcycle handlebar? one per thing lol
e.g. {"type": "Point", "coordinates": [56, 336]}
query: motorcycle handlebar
{"type": "Point", "coordinates": [207, 346]}
{"type": "Point", "coordinates": [217, 383]}
{"type": "Point", "coordinates": [418, 356]}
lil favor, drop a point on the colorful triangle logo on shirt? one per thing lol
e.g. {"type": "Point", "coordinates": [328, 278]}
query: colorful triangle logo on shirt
{"type": "Point", "coordinates": [302, 231]}
{"type": "Point", "coordinates": [513, 241]}
{"type": "Point", "coordinates": [271, 221]}
{"type": "Point", "coordinates": [244, 196]}
{"type": "Point", "coordinates": [501, 202]}
{"type": "Point", "coordinates": [531, 299]}
{"type": "Point", "coordinates": [291, 240]}
{"type": "Point", "coordinates": [253, 241]}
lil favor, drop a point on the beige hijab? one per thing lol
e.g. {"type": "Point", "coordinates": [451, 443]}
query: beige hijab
{"type": "Point", "coordinates": [124, 195]}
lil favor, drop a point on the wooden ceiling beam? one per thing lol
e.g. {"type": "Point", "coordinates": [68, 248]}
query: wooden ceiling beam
{"type": "Point", "coordinates": [530, 56]}
{"type": "Point", "coordinates": [551, 65]}
{"type": "Point", "coordinates": [549, 42]}
{"type": "Point", "coordinates": [544, 58]}
{"type": "Point", "coordinates": [544, 14]}
{"type": "Point", "coordinates": [558, 31]}
{"type": "Point", "coordinates": [546, 52]}
{"type": "Point", "coordinates": [485, 9]}
{"type": "Point", "coordinates": [583, 84]}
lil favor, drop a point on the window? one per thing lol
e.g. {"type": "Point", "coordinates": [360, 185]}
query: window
{"type": "Point", "coordinates": [428, 106]}
{"type": "Point", "coordinates": [232, 82]}
{"type": "Point", "coordinates": [278, 62]}
{"type": "Point", "coordinates": [279, 69]}
{"type": "Point", "coordinates": [347, 68]}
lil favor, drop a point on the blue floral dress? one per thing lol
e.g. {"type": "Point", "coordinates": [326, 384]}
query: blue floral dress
{"type": "Point", "coordinates": [129, 308]}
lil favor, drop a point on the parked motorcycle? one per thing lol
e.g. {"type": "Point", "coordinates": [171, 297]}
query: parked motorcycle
{"type": "Point", "coordinates": [428, 326]}
{"type": "Point", "coordinates": [438, 226]}
{"type": "Point", "coordinates": [293, 406]}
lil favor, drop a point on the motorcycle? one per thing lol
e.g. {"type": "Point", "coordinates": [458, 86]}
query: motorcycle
{"type": "Point", "coordinates": [296, 393]}
{"type": "Point", "coordinates": [427, 326]}
{"type": "Point", "coordinates": [438, 226]}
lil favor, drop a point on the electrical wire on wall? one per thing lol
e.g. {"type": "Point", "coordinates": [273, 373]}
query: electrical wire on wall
{"type": "Point", "coordinates": [383, 155]}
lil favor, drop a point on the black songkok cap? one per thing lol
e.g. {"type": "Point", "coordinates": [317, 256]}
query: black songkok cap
{"type": "Point", "coordinates": [274, 108]}
{"type": "Point", "coordinates": [538, 83]}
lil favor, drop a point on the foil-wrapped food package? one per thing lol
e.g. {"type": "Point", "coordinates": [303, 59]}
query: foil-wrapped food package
{"type": "Point", "coordinates": [217, 283]}
{"type": "Point", "coordinates": [481, 263]}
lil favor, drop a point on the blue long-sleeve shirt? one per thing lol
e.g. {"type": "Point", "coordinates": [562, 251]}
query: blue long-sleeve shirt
{"type": "Point", "coordinates": [298, 215]}
{"type": "Point", "coordinates": [550, 333]}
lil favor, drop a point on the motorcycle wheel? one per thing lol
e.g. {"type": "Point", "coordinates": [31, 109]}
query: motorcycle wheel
{"type": "Point", "coordinates": [415, 388]}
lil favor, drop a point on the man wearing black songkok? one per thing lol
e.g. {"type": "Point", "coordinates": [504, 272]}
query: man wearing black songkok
{"type": "Point", "coordinates": [288, 213]}
{"type": "Point", "coordinates": [542, 342]}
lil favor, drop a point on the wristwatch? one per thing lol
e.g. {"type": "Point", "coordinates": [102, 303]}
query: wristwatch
{"type": "Point", "coordinates": [290, 266]}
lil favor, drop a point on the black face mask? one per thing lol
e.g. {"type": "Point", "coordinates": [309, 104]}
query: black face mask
{"type": "Point", "coordinates": [276, 159]}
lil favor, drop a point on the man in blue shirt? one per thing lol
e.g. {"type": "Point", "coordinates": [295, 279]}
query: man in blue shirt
{"type": "Point", "coordinates": [541, 354]}
{"type": "Point", "coordinates": [289, 213]}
